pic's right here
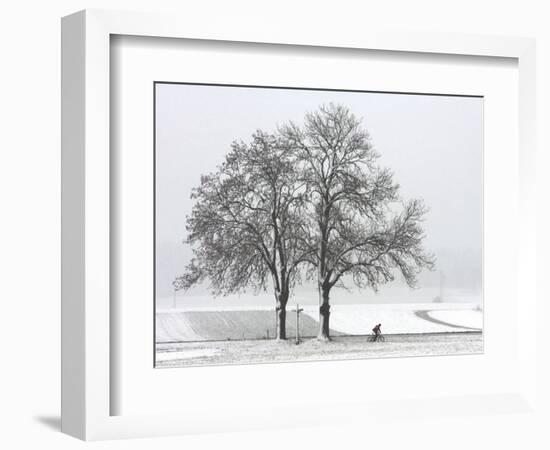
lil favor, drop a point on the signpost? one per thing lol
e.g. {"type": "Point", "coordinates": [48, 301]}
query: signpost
{"type": "Point", "coordinates": [298, 311]}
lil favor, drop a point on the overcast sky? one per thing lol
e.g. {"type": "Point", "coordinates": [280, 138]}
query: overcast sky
{"type": "Point", "coordinates": [432, 143]}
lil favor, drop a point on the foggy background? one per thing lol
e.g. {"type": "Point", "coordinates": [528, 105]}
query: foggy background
{"type": "Point", "coordinates": [434, 145]}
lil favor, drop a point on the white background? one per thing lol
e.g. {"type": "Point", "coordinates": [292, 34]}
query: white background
{"type": "Point", "coordinates": [29, 229]}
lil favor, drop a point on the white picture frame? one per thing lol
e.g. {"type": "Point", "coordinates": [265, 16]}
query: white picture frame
{"type": "Point", "coordinates": [86, 246]}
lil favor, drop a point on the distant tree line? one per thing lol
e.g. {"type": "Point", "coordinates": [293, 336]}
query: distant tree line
{"type": "Point", "coordinates": [303, 203]}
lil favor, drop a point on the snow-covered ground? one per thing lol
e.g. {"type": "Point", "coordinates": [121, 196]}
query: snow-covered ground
{"type": "Point", "coordinates": [471, 318]}
{"type": "Point", "coordinates": [254, 322]}
{"type": "Point", "coordinates": [401, 318]}
{"type": "Point", "coordinates": [341, 347]}
{"type": "Point", "coordinates": [167, 356]}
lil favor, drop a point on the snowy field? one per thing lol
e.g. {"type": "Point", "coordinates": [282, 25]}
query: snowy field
{"type": "Point", "coordinates": [216, 335]}
{"type": "Point", "coordinates": [216, 323]}
{"type": "Point", "coordinates": [341, 347]}
{"type": "Point", "coordinates": [471, 318]}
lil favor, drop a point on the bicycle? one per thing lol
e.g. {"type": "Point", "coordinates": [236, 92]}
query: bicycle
{"type": "Point", "coordinates": [377, 338]}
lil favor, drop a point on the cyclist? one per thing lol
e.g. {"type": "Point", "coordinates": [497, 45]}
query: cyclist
{"type": "Point", "coordinates": [377, 331]}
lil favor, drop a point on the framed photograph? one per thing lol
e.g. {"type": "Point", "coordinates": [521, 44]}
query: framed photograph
{"type": "Point", "coordinates": [299, 244]}
{"type": "Point", "coordinates": [267, 229]}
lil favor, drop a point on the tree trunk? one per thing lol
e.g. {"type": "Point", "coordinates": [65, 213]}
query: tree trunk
{"type": "Point", "coordinates": [281, 316]}
{"type": "Point", "coordinates": [281, 323]}
{"type": "Point", "coordinates": [324, 314]}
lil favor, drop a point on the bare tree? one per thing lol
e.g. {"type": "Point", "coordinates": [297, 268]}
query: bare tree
{"type": "Point", "coordinates": [364, 233]}
{"type": "Point", "coordinates": [246, 222]}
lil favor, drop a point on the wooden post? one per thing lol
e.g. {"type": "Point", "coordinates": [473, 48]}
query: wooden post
{"type": "Point", "coordinates": [298, 311]}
